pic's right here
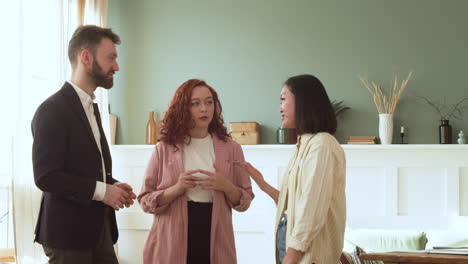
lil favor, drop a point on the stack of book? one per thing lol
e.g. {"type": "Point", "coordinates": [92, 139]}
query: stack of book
{"type": "Point", "coordinates": [362, 140]}
{"type": "Point", "coordinates": [448, 250]}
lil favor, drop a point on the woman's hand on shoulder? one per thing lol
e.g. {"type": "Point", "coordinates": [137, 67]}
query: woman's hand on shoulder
{"type": "Point", "coordinates": [255, 174]}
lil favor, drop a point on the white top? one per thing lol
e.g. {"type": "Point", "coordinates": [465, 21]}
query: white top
{"type": "Point", "coordinates": [199, 154]}
{"type": "Point", "coordinates": [87, 103]}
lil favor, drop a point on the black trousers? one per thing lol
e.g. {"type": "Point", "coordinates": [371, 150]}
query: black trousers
{"type": "Point", "coordinates": [103, 253]}
{"type": "Point", "coordinates": [199, 232]}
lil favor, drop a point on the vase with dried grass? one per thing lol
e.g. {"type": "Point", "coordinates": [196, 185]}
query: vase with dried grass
{"type": "Point", "coordinates": [386, 104]}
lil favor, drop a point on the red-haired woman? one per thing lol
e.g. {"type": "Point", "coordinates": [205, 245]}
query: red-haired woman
{"type": "Point", "coordinates": [191, 184]}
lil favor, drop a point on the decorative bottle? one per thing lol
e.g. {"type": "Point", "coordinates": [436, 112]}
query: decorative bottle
{"type": "Point", "coordinates": [445, 132]}
{"type": "Point", "coordinates": [151, 133]}
{"type": "Point", "coordinates": [461, 138]}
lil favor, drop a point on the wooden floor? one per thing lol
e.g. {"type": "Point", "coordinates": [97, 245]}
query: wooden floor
{"type": "Point", "coordinates": [7, 255]}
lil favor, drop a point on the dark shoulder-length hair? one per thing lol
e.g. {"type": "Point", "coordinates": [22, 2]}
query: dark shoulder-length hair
{"type": "Point", "coordinates": [314, 112]}
{"type": "Point", "coordinates": [177, 122]}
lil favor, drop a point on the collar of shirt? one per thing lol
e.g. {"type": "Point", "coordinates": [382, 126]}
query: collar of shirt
{"type": "Point", "coordinates": [303, 138]}
{"type": "Point", "coordinates": [85, 98]}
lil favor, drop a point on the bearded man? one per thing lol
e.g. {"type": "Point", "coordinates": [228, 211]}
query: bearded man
{"type": "Point", "coordinates": [72, 162]}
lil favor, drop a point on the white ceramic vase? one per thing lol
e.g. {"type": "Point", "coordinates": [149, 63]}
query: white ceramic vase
{"type": "Point", "coordinates": [385, 128]}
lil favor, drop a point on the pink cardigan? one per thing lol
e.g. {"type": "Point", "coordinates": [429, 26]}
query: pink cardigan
{"type": "Point", "coordinates": [167, 240]}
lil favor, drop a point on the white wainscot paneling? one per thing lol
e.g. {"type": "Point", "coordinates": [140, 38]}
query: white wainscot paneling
{"type": "Point", "coordinates": [463, 191]}
{"type": "Point", "coordinates": [422, 191]}
{"type": "Point", "coordinates": [373, 180]}
{"type": "Point", "coordinates": [397, 186]}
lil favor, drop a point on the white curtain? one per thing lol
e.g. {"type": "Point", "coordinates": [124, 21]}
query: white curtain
{"type": "Point", "coordinates": [8, 68]}
{"type": "Point", "coordinates": [40, 53]}
{"type": "Point", "coordinates": [36, 65]}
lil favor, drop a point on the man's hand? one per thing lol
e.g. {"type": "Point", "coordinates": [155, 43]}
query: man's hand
{"type": "Point", "coordinates": [126, 187]}
{"type": "Point", "coordinates": [115, 197]}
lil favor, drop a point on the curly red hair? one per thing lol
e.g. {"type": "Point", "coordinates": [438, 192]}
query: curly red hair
{"type": "Point", "coordinates": [177, 121]}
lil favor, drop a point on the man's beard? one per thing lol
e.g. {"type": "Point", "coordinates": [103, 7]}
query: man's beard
{"type": "Point", "coordinates": [99, 78]}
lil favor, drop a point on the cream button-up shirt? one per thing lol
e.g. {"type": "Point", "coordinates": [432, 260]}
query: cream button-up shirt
{"type": "Point", "coordinates": [313, 191]}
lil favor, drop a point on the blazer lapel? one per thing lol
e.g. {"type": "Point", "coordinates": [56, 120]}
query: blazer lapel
{"type": "Point", "coordinates": [77, 107]}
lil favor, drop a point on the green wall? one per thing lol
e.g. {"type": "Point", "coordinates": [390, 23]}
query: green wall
{"type": "Point", "coordinates": [246, 49]}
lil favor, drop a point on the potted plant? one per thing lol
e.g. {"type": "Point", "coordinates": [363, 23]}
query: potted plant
{"type": "Point", "coordinates": [446, 113]}
{"type": "Point", "coordinates": [339, 107]}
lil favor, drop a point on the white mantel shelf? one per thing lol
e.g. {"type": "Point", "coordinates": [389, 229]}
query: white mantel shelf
{"type": "Point", "coordinates": [345, 146]}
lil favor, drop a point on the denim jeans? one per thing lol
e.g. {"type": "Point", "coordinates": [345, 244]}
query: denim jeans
{"type": "Point", "coordinates": [281, 237]}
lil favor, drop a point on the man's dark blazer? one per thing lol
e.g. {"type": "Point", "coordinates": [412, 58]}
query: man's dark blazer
{"type": "Point", "coordinates": [67, 163]}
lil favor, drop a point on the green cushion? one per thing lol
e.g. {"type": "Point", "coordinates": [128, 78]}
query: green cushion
{"type": "Point", "coordinates": [448, 238]}
{"type": "Point", "coordinates": [383, 240]}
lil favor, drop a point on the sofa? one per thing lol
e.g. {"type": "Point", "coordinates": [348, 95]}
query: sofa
{"type": "Point", "coordinates": [359, 241]}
